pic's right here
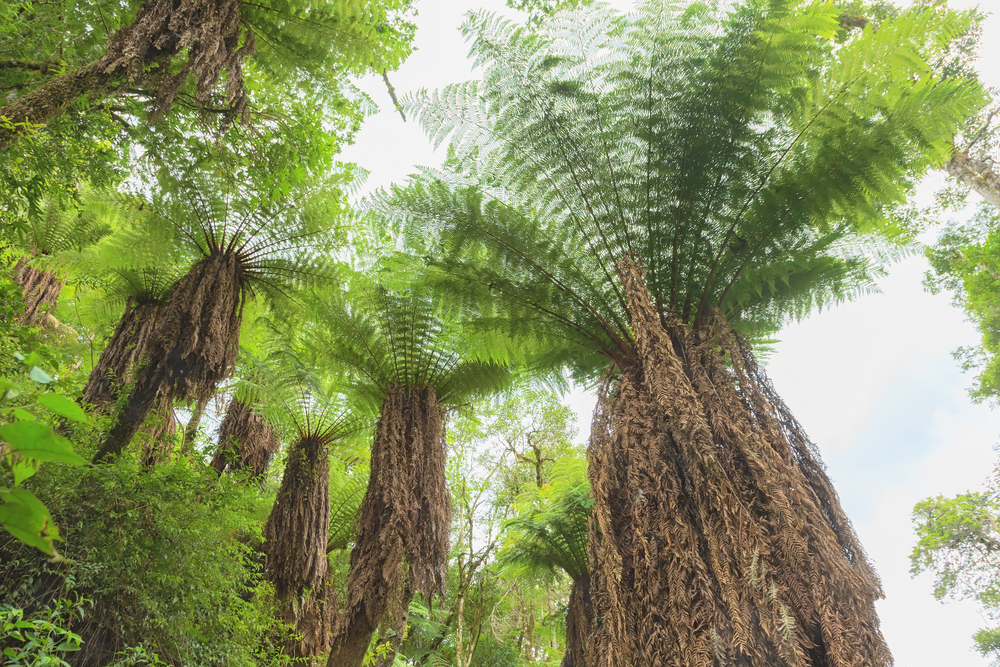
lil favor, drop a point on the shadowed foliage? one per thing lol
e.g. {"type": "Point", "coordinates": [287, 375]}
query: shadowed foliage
{"type": "Point", "coordinates": [645, 196]}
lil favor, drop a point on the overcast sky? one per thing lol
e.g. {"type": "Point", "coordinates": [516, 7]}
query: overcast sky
{"type": "Point", "coordinates": [872, 381]}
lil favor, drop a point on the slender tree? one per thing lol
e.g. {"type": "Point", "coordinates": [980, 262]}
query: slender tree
{"type": "Point", "coordinates": [408, 362]}
{"type": "Point", "coordinates": [246, 246]}
{"type": "Point", "coordinates": [646, 194]}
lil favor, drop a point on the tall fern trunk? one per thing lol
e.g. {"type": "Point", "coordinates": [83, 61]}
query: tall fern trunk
{"type": "Point", "coordinates": [579, 625]}
{"type": "Point", "coordinates": [716, 537]}
{"type": "Point", "coordinates": [211, 32]}
{"type": "Point", "coordinates": [246, 440]}
{"type": "Point", "coordinates": [115, 367]}
{"type": "Point", "coordinates": [295, 538]}
{"type": "Point", "coordinates": [191, 428]}
{"type": "Point", "coordinates": [402, 542]}
{"type": "Point", "coordinates": [157, 432]}
{"type": "Point", "coordinates": [194, 346]}
{"type": "Point", "coordinates": [40, 290]}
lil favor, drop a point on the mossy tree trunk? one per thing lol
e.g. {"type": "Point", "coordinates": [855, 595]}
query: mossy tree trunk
{"type": "Point", "coordinates": [579, 625]}
{"type": "Point", "coordinates": [716, 537]}
{"type": "Point", "coordinates": [402, 542]}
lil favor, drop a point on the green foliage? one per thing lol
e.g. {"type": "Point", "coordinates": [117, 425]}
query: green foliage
{"type": "Point", "coordinates": [25, 442]}
{"type": "Point", "coordinates": [549, 532]}
{"type": "Point", "coordinates": [966, 261]}
{"type": "Point", "coordinates": [169, 559]}
{"type": "Point", "coordinates": [958, 541]}
{"type": "Point", "coordinates": [745, 157]}
{"type": "Point", "coordinates": [42, 637]}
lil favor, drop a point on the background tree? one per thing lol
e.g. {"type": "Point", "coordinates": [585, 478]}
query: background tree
{"type": "Point", "coordinates": [645, 196]}
{"type": "Point", "coordinates": [958, 541]}
{"type": "Point", "coordinates": [549, 536]}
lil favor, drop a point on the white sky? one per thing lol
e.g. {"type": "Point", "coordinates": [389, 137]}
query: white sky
{"type": "Point", "coordinates": [872, 381]}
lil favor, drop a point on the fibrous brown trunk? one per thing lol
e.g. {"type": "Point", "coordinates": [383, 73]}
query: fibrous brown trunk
{"type": "Point", "coordinates": [210, 32]}
{"type": "Point", "coordinates": [579, 624]}
{"type": "Point", "coordinates": [194, 346]}
{"type": "Point", "coordinates": [246, 440]}
{"type": "Point", "coordinates": [114, 368]}
{"type": "Point", "coordinates": [716, 537]}
{"type": "Point", "coordinates": [157, 433]}
{"type": "Point", "coordinates": [40, 290]}
{"type": "Point", "coordinates": [191, 428]}
{"type": "Point", "coordinates": [402, 537]}
{"type": "Point", "coordinates": [295, 538]}
{"type": "Point", "coordinates": [977, 174]}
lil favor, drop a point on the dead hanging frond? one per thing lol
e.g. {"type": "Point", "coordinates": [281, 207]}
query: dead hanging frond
{"type": "Point", "coordinates": [246, 441]}
{"type": "Point", "coordinates": [296, 533]}
{"type": "Point", "coordinates": [402, 541]}
{"type": "Point", "coordinates": [212, 36]}
{"type": "Point", "coordinates": [716, 536]}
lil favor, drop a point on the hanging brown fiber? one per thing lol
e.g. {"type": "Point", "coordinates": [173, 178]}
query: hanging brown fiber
{"type": "Point", "coordinates": [114, 368]}
{"type": "Point", "coordinates": [295, 539]}
{"type": "Point", "coordinates": [40, 290]}
{"type": "Point", "coordinates": [402, 541]}
{"type": "Point", "coordinates": [716, 537]}
{"type": "Point", "coordinates": [246, 440]}
{"type": "Point", "coordinates": [194, 346]}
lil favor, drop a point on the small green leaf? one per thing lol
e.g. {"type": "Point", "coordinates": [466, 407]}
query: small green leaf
{"type": "Point", "coordinates": [39, 376]}
{"type": "Point", "coordinates": [24, 469]}
{"type": "Point", "coordinates": [33, 359]}
{"type": "Point", "coordinates": [25, 517]}
{"type": "Point", "coordinates": [38, 441]}
{"type": "Point", "coordinates": [19, 356]}
{"type": "Point", "coordinates": [64, 407]}
{"type": "Point", "coordinates": [24, 415]}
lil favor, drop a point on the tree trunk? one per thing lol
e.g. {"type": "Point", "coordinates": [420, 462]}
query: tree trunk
{"type": "Point", "coordinates": [191, 428]}
{"type": "Point", "coordinates": [977, 174]}
{"type": "Point", "coordinates": [295, 538]}
{"type": "Point", "coordinates": [405, 516]}
{"type": "Point", "coordinates": [246, 440]}
{"type": "Point", "coordinates": [194, 347]}
{"type": "Point", "coordinates": [579, 625]}
{"type": "Point", "coordinates": [716, 537]}
{"type": "Point", "coordinates": [210, 34]}
{"type": "Point", "coordinates": [40, 289]}
{"type": "Point", "coordinates": [397, 629]}
{"type": "Point", "coordinates": [52, 98]}
{"type": "Point", "coordinates": [158, 432]}
{"type": "Point", "coordinates": [115, 367]}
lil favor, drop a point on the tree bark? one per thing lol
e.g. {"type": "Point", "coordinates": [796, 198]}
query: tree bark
{"type": "Point", "coordinates": [716, 537]}
{"type": "Point", "coordinates": [191, 428]}
{"type": "Point", "coordinates": [405, 516]}
{"type": "Point", "coordinates": [40, 289]}
{"type": "Point", "coordinates": [579, 625]}
{"type": "Point", "coordinates": [977, 174]}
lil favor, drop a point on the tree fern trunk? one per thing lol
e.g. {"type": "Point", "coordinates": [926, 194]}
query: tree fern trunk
{"type": "Point", "coordinates": [579, 625]}
{"type": "Point", "coordinates": [40, 290]}
{"type": "Point", "coordinates": [716, 537]}
{"type": "Point", "coordinates": [246, 440]}
{"type": "Point", "coordinates": [295, 538]}
{"type": "Point", "coordinates": [115, 367]}
{"type": "Point", "coordinates": [194, 347]}
{"type": "Point", "coordinates": [405, 518]}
